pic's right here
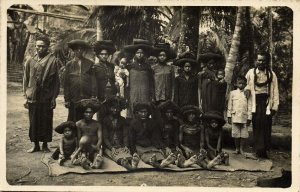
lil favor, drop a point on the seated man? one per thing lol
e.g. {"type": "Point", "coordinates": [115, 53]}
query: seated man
{"type": "Point", "coordinates": [115, 135]}
{"type": "Point", "coordinates": [145, 138]}
{"type": "Point", "coordinates": [89, 134]}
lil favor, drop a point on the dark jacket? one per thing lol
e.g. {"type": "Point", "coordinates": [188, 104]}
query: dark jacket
{"type": "Point", "coordinates": [79, 84]}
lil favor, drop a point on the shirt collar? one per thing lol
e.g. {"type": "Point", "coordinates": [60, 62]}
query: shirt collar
{"type": "Point", "coordinates": [259, 71]}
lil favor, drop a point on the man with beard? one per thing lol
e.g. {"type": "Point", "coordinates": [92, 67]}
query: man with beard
{"type": "Point", "coordinates": [140, 73]}
{"type": "Point", "coordinates": [262, 87]}
{"type": "Point", "coordinates": [41, 87]}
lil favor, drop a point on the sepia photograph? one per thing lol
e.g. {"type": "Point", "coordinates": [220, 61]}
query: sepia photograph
{"type": "Point", "coordinates": [138, 95]}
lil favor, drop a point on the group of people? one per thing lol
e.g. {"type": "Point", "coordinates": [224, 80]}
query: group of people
{"type": "Point", "coordinates": [174, 112]}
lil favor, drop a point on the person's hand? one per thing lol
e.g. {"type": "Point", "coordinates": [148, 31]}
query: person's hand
{"type": "Point", "coordinates": [95, 147]}
{"type": "Point", "coordinates": [53, 104]}
{"type": "Point", "coordinates": [229, 120]}
{"type": "Point", "coordinates": [67, 104]}
{"type": "Point", "coordinates": [248, 122]}
{"type": "Point", "coordinates": [188, 151]}
{"type": "Point", "coordinates": [26, 104]}
{"type": "Point", "coordinates": [247, 93]}
{"type": "Point", "coordinates": [273, 112]}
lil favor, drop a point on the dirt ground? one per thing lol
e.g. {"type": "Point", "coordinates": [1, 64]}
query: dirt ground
{"type": "Point", "coordinates": [27, 169]}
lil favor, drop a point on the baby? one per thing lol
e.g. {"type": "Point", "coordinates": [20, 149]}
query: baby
{"type": "Point", "coordinates": [122, 76]}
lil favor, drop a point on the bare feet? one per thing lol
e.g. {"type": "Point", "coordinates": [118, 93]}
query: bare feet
{"type": "Point", "coordinates": [169, 160]}
{"type": "Point", "coordinates": [242, 152]}
{"type": "Point", "coordinates": [180, 160]}
{"type": "Point", "coordinates": [61, 160]}
{"type": "Point", "coordinates": [98, 160]}
{"type": "Point", "coordinates": [135, 160]}
{"type": "Point", "coordinates": [45, 148]}
{"type": "Point", "coordinates": [190, 161]}
{"type": "Point", "coordinates": [125, 163]}
{"type": "Point", "coordinates": [85, 163]}
{"type": "Point", "coordinates": [237, 151]}
{"type": "Point", "coordinates": [214, 162]}
{"type": "Point", "coordinates": [153, 161]}
{"type": "Point", "coordinates": [34, 149]}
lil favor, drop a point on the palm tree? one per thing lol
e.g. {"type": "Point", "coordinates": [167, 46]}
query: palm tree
{"type": "Point", "coordinates": [234, 49]}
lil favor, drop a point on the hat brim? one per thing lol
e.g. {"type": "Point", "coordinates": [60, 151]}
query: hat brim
{"type": "Point", "coordinates": [133, 48]}
{"type": "Point", "coordinates": [218, 118]}
{"type": "Point", "coordinates": [210, 56]}
{"type": "Point", "coordinates": [60, 128]}
{"type": "Point", "coordinates": [168, 106]}
{"type": "Point", "coordinates": [77, 44]}
{"type": "Point", "coordinates": [181, 62]}
{"type": "Point", "coordinates": [94, 104]}
{"type": "Point", "coordinates": [170, 53]}
{"type": "Point", "coordinates": [110, 49]}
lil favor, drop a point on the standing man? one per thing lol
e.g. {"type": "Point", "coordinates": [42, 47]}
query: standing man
{"type": "Point", "coordinates": [263, 88]}
{"type": "Point", "coordinates": [79, 82]}
{"type": "Point", "coordinates": [41, 87]}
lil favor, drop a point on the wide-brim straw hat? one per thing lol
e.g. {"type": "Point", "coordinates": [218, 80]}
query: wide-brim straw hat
{"type": "Point", "coordinates": [191, 109]}
{"type": "Point", "coordinates": [93, 103]}
{"type": "Point", "coordinates": [216, 115]}
{"type": "Point", "coordinates": [184, 58]}
{"type": "Point", "coordinates": [78, 43]}
{"type": "Point", "coordinates": [165, 47]}
{"type": "Point", "coordinates": [143, 44]}
{"type": "Point", "coordinates": [168, 105]}
{"type": "Point", "coordinates": [119, 102]}
{"type": "Point", "coordinates": [104, 45]}
{"type": "Point", "coordinates": [205, 57]}
{"type": "Point", "coordinates": [60, 128]}
{"type": "Point", "coordinates": [139, 106]}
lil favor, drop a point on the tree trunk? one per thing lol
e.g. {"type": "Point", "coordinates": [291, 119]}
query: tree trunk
{"type": "Point", "coordinates": [248, 18]}
{"type": "Point", "coordinates": [270, 31]}
{"type": "Point", "coordinates": [189, 30]}
{"type": "Point", "coordinates": [233, 53]}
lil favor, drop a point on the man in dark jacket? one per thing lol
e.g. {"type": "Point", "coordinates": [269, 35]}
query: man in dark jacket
{"type": "Point", "coordinates": [79, 81]}
{"type": "Point", "coordinates": [41, 87]}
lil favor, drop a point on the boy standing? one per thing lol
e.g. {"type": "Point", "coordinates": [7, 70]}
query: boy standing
{"type": "Point", "coordinates": [239, 115]}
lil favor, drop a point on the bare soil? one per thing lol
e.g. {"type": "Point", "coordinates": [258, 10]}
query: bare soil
{"type": "Point", "coordinates": [27, 169]}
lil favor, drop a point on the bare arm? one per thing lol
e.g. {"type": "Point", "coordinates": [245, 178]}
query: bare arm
{"type": "Point", "coordinates": [99, 134]}
{"type": "Point", "coordinates": [61, 146]}
{"type": "Point", "coordinates": [106, 135]}
{"type": "Point", "coordinates": [202, 133]}
{"type": "Point", "coordinates": [219, 145]}
{"type": "Point", "coordinates": [207, 140]}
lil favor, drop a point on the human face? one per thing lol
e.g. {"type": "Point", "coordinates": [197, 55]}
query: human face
{"type": "Point", "coordinates": [220, 75]}
{"type": "Point", "coordinates": [261, 62]}
{"type": "Point", "coordinates": [68, 132]}
{"type": "Point", "coordinates": [103, 55]}
{"type": "Point", "coordinates": [41, 48]}
{"type": "Point", "coordinates": [187, 67]}
{"type": "Point", "coordinates": [122, 63]}
{"type": "Point", "coordinates": [162, 57]}
{"type": "Point", "coordinates": [169, 114]}
{"type": "Point", "coordinates": [78, 52]}
{"type": "Point", "coordinates": [191, 117]}
{"type": "Point", "coordinates": [214, 123]}
{"type": "Point", "coordinates": [241, 84]}
{"type": "Point", "coordinates": [139, 54]}
{"type": "Point", "coordinates": [143, 114]}
{"type": "Point", "coordinates": [211, 64]}
{"type": "Point", "coordinates": [88, 114]}
{"type": "Point", "coordinates": [114, 110]}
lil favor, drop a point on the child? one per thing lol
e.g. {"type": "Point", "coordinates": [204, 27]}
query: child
{"type": "Point", "coordinates": [68, 142]}
{"type": "Point", "coordinates": [220, 76]}
{"type": "Point", "coordinates": [170, 127]}
{"type": "Point", "coordinates": [115, 134]}
{"type": "Point", "coordinates": [191, 138]}
{"type": "Point", "coordinates": [213, 127]}
{"type": "Point", "coordinates": [186, 84]}
{"type": "Point", "coordinates": [239, 114]}
{"type": "Point", "coordinates": [145, 138]}
{"type": "Point", "coordinates": [89, 134]}
{"type": "Point", "coordinates": [122, 77]}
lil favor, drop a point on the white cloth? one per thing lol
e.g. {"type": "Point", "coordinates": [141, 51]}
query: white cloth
{"type": "Point", "coordinates": [239, 107]}
{"type": "Point", "coordinates": [273, 100]}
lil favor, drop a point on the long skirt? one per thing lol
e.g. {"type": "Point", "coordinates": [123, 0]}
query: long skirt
{"type": "Point", "coordinates": [41, 120]}
{"type": "Point", "coordinates": [262, 125]}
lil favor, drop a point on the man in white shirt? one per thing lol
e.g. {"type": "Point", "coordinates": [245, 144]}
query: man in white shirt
{"type": "Point", "coordinates": [262, 85]}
